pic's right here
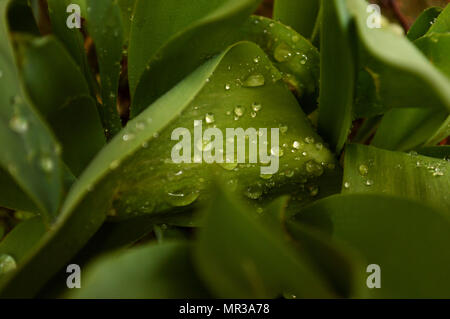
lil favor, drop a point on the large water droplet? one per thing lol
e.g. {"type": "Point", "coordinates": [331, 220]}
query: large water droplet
{"type": "Point", "coordinates": [7, 264]}
{"type": "Point", "coordinates": [229, 166]}
{"type": "Point", "coordinates": [47, 164]}
{"type": "Point", "coordinates": [254, 80]}
{"type": "Point", "coordinates": [18, 124]}
{"type": "Point", "coordinates": [239, 111]}
{"type": "Point", "coordinates": [256, 107]}
{"type": "Point", "coordinates": [282, 52]}
{"type": "Point", "coordinates": [209, 118]}
{"type": "Point", "coordinates": [363, 170]}
{"type": "Point", "coordinates": [314, 168]}
{"type": "Point", "coordinates": [182, 197]}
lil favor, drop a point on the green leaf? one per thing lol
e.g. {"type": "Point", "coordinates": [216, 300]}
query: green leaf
{"type": "Point", "coordinates": [106, 29]}
{"type": "Point", "coordinates": [170, 39]}
{"type": "Point", "coordinates": [156, 271]}
{"type": "Point", "coordinates": [406, 129]}
{"type": "Point", "coordinates": [436, 48]}
{"type": "Point", "coordinates": [71, 38]}
{"type": "Point", "coordinates": [139, 159]}
{"type": "Point", "coordinates": [125, 178]}
{"type": "Point", "coordinates": [127, 11]}
{"type": "Point", "coordinates": [12, 196]}
{"type": "Point", "coordinates": [441, 152]}
{"type": "Point", "coordinates": [423, 23]}
{"type": "Point", "coordinates": [296, 58]}
{"type": "Point", "coordinates": [402, 75]}
{"type": "Point", "coordinates": [337, 75]}
{"type": "Point", "coordinates": [336, 262]}
{"type": "Point", "coordinates": [442, 23]}
{"type": "Point", "coordinates": [22, 239]}
{"type": "Point", "coordinates": [31, 158]}
{"type": "Point", "coordinates": [69, 108]}
{"type": "Point", "coordinates": [253, 262]}
{"type": "Point", "coordinates": [371, 170]}
{"type": "Point", "coordinates": [299, 14]}
{"type": "Point", "coordinates": [407, 239]}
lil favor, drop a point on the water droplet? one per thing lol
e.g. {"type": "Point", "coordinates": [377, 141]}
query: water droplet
{"type": "Point", "coordinates": [369, 182]}
{"type": "Point", "coordinates": [295, 38]}
{"type": "Point", "coordinates": [209, 118]}
{"type": "Point", "coordinates": [257, 59]}
{"type": "Point", "coordinates": [363, 170]}
{"type": "Point", "coordinates": [282, 52]}
{"type": "Point", "coordinates": [297, 145]}
{"type": "Point", "coordinates": [313, 190]}
{"type": "Point", "coordinates": [254, 192]}
{"type": "Point", "coordinates": [239, 111]}
{"type": "Point", "coordinates": [182, 197]}
{"type": "Point", "coordinates": [227, 87]}
{"type": "Point", "coordinates": [18, 124]}
{"type": "Point", "coordinates": [309, 140]}
{"type": "Point", "coordinates": [253, 114]}
{"type": "Point", "coordinates": [114, 165]}
{"type": "Point", "coordinates": [254, 80]}
{"type": "Point", "coordinates": [229, 166]}
{"type": "Point", "coordinates": [276, 151]}
{"type": "Point", "coordinates": [140, 126]}
{"type": "Point", "coordinates": [346, 185]}
{"type": "Point", "coordinates": [289, 173]}
{"type": "Point", "coordinates": [319, 146]}
{"type": "Point", "coordinates": [7, 264]}
{"type": "Point", "coordinates": [47, 164]}
{"type": "Point", "coordinates": [259, 210]}
{"type": "Point", "coordinates": [127, 137]}
{"type": "Point", "coordinates": [283, 129]}
{"type": "Point", "coordinates": [314, 168]}
{"type": "Point", "coordinates": [266, 176]}
{"type": "Point", "coordinates": [256, 107]}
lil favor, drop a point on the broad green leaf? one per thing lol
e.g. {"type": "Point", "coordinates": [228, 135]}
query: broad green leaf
{"type": "Point", "coordinates": [371, 170]}
{"type": "Point", "coordinates": [69, 108]}
{"type": "Point", "coordinates": [441, 152]}
{"type": "Point", "coordinates": [154, 271]}
{"type": "Point", "coordinates": [442, 23]}
{"type": "Point", "coordinates": [402, 75]}
{"type": "Point", "coordinates": [299, 14]}
{"type": "Point", "coordinates": [423, 23]}
{"type": "Point", "coordinates": [106, 29]}
{"type": "Point", "coordinates": [296, 58]}
{"type": "Point", "coordinates": [125, 178]}
{"type": "Point", "coordinates": [71, 38]}
{"type": "Point", "coordinates": [407, 239]}
{"type": "Point", "coordinates": [253, 262]}
{"type": "Point", "coordinates": [31, 154]}
{"type": "Point", "coordinates": [139, 160]}
{"type": "Point", "coordinates": [170, 39]}
{"type": "Point", "coordinates": [337, 74]}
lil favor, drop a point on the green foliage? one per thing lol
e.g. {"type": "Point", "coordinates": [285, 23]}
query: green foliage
{"type": "Point", "coordinates": [87, 176]}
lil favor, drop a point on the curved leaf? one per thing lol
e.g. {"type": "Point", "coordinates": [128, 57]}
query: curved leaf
{"type": "Point", "coordinates": [253, 263]}
{"type": "Point", "coordinates": [299, 14]}
{"type": "Point", "coordinates": [32, 153]}
{"type": "Point", "coordinates": [442, 23]}
{"type": "Point", "coordinates": [337, 74]}
{"type": "Point", "coordinates": [407, 239]}
{"type": "Point", "coordinates": [69, 109]}
{"type": "Point", "coordinates": [155, 271]}
{"type": "Point", "coordinates": [423, 23]}
{"type": "Point", "coordinates": [106, 29]}
{"type": "Point", "coordinates": [371, 170]}
{"type": "Point", "coordinates": [171, 39]}
{"type": "Point", "coordinates": [402, 75]}
{"type": "Point", "coordinates": [71, 38]}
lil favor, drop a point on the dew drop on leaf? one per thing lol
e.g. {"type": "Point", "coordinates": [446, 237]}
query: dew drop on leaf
{"type": "Point", "coordinates": [18, 124]}
{"type": "Point", "coordinates": [7, 264]}
{"type": "Point", "coordinates": [254, 80]}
